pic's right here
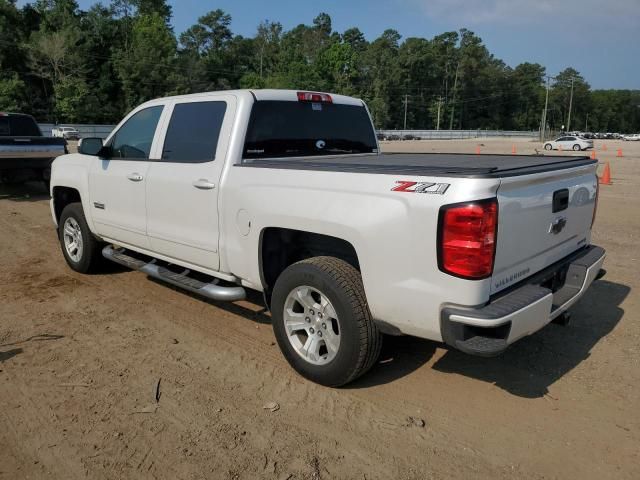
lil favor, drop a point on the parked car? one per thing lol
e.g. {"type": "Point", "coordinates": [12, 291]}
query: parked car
{"type": "Point", "coordinates": [68, 133]}
{"type": "Point", "coordinates": [569, 143]}
{"type": "Point", "coordinates": [287, 193]}
{"type": "Point", "coordinates": [635, 137]}
{"type": "Point", "coordinates": [25, 154]}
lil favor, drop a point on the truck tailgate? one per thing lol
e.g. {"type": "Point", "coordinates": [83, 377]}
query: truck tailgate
{"type": "Point", "coordinates": [31, 147]}
{"type": "Point", "coordinates": [542, 218]}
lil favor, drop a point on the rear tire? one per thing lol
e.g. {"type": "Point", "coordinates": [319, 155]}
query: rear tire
{"type": "Point", "coordinates": [81, 250]}
{"type": "Point", "coordinates": [326, 350]}
{"type": "Point", "coordinates": [548, 146]}
{"type": "Point", "coordinates": [576, 148]}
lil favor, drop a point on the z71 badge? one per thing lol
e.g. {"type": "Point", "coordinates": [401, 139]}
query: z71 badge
{"type": "Point", "coordinates": [420, 187]}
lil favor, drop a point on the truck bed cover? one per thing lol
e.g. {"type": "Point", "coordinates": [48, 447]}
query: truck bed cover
{"type": "Point", "coordinates": [427, 164]}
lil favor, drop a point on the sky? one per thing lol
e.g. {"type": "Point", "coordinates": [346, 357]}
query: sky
{"type": "Point", "coordinates": [599, 38]}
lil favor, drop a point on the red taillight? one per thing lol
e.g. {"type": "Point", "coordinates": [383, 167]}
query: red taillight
{"type": "Point", "coordinates": [467, 239]}
{"type": "Point", "coordinates": [314, 97]}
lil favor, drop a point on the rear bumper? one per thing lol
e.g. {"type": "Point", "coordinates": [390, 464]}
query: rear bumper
{"type": "Point", "coordinates": [490, 329]}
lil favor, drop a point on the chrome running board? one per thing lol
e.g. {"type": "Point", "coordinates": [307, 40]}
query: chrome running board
{"type": "Point", "coordinates": [210, 289]}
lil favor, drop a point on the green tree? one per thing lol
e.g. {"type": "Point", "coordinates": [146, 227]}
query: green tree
{"type": "Point", "coordinates": [63, 63]}
{"type": "Point", "coordinates": [561, 98]}
{"type": "Point", "coordinates": [146, 66]}
{"type": "Point", "coordinates": [526, 96]}
{"type": "Point", "coordinates": [12, 94]}
{"type": "Point", "coordinates": [267, 46]}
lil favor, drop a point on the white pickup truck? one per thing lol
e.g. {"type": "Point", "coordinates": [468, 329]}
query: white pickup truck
{"type": "Point", "coordinates": [287, 193]}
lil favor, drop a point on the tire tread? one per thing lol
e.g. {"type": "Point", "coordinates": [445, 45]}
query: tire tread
{"type": "Point", "coordinates": [350, 281]}
{"type": "Point", "coordinates": [92, 259]}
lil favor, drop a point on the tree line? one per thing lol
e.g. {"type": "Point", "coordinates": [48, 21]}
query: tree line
{"type": "Point", "coordinates": [63, 64]}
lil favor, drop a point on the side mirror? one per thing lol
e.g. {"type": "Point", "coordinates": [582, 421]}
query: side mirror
{"type": "Point", "coordinates": [90, 146]}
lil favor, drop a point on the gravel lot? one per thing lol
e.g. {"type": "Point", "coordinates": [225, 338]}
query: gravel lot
{"type": "Point", "coordinates": [81, 358]}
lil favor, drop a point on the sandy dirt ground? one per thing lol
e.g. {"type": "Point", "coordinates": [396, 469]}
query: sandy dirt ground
{"type": "Point", "coordinates": [117, 376]}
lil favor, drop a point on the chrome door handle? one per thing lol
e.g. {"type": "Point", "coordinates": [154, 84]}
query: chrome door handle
{"type": "Point", "coordinates": [204, 184]}
{"type": "Point", "coordinates": [135, 177]}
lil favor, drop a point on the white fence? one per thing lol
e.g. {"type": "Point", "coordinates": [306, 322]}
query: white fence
{"type": "Point", "coordinates": [455, 134]}
{"type": "Point", "coordinates": [101, 131]}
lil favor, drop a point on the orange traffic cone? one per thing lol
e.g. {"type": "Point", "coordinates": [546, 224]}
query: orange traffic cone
{"type": "Point", "coordinates": [619, 153]}
{"type": "Point", "coordinates": [593, 154]}
{"type": "Point", "coordinates": [559, 148]}
{"type": "Point", "coordinates": [477, 150]}
{"type": "Point", "coordinates": [606, 175]}
{"type": "Point", "coordinates": [513, 149]}
{"type": "Point", "coordinates": [604, 147]}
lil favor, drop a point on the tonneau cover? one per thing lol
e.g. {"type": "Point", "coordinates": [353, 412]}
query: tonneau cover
{"type": "Point", "coordinates": [449, 164]}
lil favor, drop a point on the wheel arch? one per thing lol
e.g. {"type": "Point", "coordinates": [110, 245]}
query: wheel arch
{"type": "Point", "coordinates": [63, 196]}
{"type": "Point", "coordinates": [279, 248]}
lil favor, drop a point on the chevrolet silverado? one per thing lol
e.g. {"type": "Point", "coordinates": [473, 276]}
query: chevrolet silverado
{"type": "Point", "coordinates": [287, 193]}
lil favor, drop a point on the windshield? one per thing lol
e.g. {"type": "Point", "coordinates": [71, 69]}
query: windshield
{"type": "Point", "coordinates": [299, 129]}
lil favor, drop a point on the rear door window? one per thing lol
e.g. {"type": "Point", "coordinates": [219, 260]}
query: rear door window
{"type": "Point", "coordinates": [194, 129]}
{"type": "Point", "coordinates": [133, 139]}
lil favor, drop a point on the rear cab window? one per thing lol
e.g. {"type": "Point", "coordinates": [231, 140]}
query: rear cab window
{"type": "Point", "coordinates": [300, 129]}
{"type": "Point", "coordinates": [19, 126]}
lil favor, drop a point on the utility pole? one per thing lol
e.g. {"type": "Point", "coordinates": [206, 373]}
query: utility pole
{"type": "Point", "coordinates": [406, 100]}
{"type": "Point", "coordinates": [543, 132]}
{"type": "Point", "coordinates": [439, 105]}
{"type": "Point", "coordinates": [570, 105]}
{"type": "Point", "coordinates": [586, 123]}
{"type": "Point", "coordinates": [453, 107]}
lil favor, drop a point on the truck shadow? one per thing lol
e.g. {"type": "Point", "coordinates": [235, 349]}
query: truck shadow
{"type": "Point", "coordinates": [24, 192]}
{"type": "Point", "coordinates": [252, 308]}
{"type": "Point", "coordinates": [4, 356]}
{"type": "Point", "coordinates": [526, 370]}
{"type": "Point", "coordinates": [529, 367]}
{"type": "Point", "coordinates": [8, 354]}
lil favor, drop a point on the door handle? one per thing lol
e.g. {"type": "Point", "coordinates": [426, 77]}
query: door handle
{"type": "Point", "coordinates": [204, 184]}
{"type": "Point", "coordinates": [135, 177]}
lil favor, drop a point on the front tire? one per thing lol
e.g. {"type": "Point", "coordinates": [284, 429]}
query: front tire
{"type": "Point", "coordinates": [548, 146]}
{"type": "Point", "coordinates": [576, 148]}
{"type": "Point", "coordinates": [80, 248]}
{"type": "Point", "coordinates": [322, 322]}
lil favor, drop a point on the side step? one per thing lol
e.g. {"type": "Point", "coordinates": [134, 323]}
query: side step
{"type": "Point", "coordinates": [155, 269]}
